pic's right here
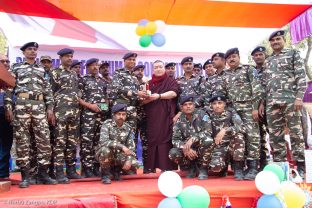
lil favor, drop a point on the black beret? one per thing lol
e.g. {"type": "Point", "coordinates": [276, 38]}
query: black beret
{"type": "Point", "coordinates": [198, 66]}
{"type": "Point", "coordinates": [219, 54]}
{"type": "Point", "coordinates": [187, 59]}
{"type": "Point", "coordinates": [30, 44]}
{"type": "Point", "coordinates": [186, 98]}
{"type": "Point", "coordinates": [65, 51]}
{"type": "Point", "coordinates": [130, 54]}
{"type": "Point", "coordinates": [105, 63]}
{"type": "Point", "coordinates": [258, 49]}
{"type": "Point", "coordinates": [119, 107]}
{"type": "Point", "coordinates": [217, 97]}
{"type": "Point", "coordinates": [209, 61]}
{"type": "Point", "coordinates": [140, 66]}
{"type": "Point", "coordinates": [75, 62]}
{"type": "Point", "coordinates": [276, 33]}
{"type": "Point", "coordinates": [230, 52]}
{"type": "Point", "coordinates": [171, 64]}
{"type": "Point", "coordinates": [91, 61]}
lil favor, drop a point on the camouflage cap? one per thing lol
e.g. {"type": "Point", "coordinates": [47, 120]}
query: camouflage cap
{"type": "Point", "coordinates": [46, 58]}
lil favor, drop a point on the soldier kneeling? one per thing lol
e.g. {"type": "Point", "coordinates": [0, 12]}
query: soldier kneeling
{"type": "Point", "coordinates": [115, 151]}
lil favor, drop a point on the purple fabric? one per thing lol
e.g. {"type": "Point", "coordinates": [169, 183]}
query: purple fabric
{"type": "Point", "coordinates": [308, 94]}
{"type": "Point", "coordinates": [301, 26]}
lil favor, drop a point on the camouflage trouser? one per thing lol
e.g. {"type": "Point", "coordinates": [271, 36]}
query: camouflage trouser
{"type": "Point", "coordinates": [244, 110]}
{"type": "Point", "coordinates": [304, 122]}
{"type": "Point", "coordinates": [235, 146]}
{"type": "Point", "coordinates": [66, 139]}
{"type": "Point", "coordinates": [31, 114]}
{"type": "Point", "coordinates": [132, 118]}
{"type": "Point", "coordinates": [263, 127]}
{"type": "Point", "coordinates": [280, 115]}
{"type": "Point", "coordinates": [141, 128]}
{"type": "Point", "coordinates": [114, 158]}
{"type": "Point", "coordinates": [90, 134]}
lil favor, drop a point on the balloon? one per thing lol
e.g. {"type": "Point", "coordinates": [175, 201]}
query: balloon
{"type": "Point", "coordinates": [161, 26]}
{"type": "Point", "coordinates": [267, 182]}
{"type": "Point", "coordinates": [194, 196]}
{"type": "Point", "coordinates": [140, 30]}
{"type": "Point", "coordinates": [151, 28]}
{"type": "Point", "coordinates": [143, 22]}
{"type": "Point", "coordinates": [277, 170]}
{"type": "Point", "coordinates": [271, 200]}
{"type": "Point", "coordinates": [145, 40]}
{"type": "Point", "coordinates": [170, 184]}
{"type": "Point", "coordinates": [158, 39]}
{"type": "Point", "coordinates": [169, 203]}
{"type": "Point", "coordinates": [294, 196]}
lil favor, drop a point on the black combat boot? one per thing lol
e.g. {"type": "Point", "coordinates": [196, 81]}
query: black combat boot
{"type": "Point", "coordinates": [192, 171]}
{"type": "Point", "coordinates": [116, 173]}
{"type": "Point", "coordinates": [301, 169]}
{"type": "Point", "coordinates": [33, 180]}
{"type": "Point", "coordinates": [88, 173]}
{"type": "Point", "coordinates": [43, 176]}
{"type": "Point", "coordinates": [60, 176]}
{"type": "Point", "coordinates": [25, 179]}
{"type": "Point", "coordinates": [238, 170]}
{"type": "Point", "coordinates": [96, 170]}
{"type": "Point", "coordinates": [71, 172]}
{"type": "Point", "coordinates": [224, 171]}
{"type": "Point", "coordinates": [203, 173]}
{"type": "Point", "coordinates": [252, 170]}
{"type": "Point", "coordinates": [106, 176]}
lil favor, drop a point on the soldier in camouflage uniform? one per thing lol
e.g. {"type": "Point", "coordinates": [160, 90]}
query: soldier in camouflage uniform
{"type": "Point", "coordinates": [65, 91]}
{"type": "Point", "coordinates": [245, 90]}
{"type": "Point", "coordinates": [116, 149]}
{"type": "Point", "coordinates": [104, 71]}
{"type": "Point", "coordinates": [192, 140]}
{"type": "Point", "coordinates": [34, 102]}
{"type": "Point", "coordinates": [138, 72]}
{"type": "Point", "coordinates": [125, 89]}
{"type": "Point", "coordinates": [171, 69]}
{"type": "Point", "coordinates": [76, 67]}
{"type": "Point", "coordinates": [259, 55]}
{"type": "Point", "coordinates": [209, 69]}
{"type": "Point", "coordinates": [285, 82]}
{"type": "Point", "coordinates": [228, 132]}
{"type": "Point", "coordinates": [94, 102]}
{"type": "Point", "coordinates": [198, 70]}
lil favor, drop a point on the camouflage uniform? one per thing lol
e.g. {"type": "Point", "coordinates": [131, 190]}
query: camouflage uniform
{"type": "Point", "coordinates": [65, 90]}
{"type": "Point", "coordinates": [108, 82]}
{"type": "Point", "coordinates": [123, 82]}
{"type": "Point", "coordinates": [30, 113]}
{"type": "Point", "coordinates": [233, 141]}
{"type": "Point", "coordinates": [284, 78]}
{"type": "Point", "coordinates": [112, 139]}
{"type": "Point", "coordinates": [244, 90]}
{"type": "Point", "coordinates": [93, 90]}
{"type": "Point", "coordinates": [200, 130]}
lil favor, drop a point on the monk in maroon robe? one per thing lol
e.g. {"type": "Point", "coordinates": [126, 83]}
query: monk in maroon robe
{"type": "Point", "coordinates": [160, 109]}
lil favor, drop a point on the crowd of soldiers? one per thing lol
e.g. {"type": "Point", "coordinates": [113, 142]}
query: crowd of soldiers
{"type": "Point", "coordinates": [223, 117]}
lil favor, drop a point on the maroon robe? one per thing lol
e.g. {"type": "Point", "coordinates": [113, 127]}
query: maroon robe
{"type": "Point", "coordinates": [159, 125]}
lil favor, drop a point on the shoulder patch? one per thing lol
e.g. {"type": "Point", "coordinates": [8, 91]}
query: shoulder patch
{"type": "Point", "coordinates": [206, 117]}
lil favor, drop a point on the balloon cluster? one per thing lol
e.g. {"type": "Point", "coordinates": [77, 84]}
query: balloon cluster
{"type": "Point", "coordinates": [170, 185]}
{"type": "Point", "coordinates": [151, 32]}
{"type": "Point", "coordinates": [278, 193]}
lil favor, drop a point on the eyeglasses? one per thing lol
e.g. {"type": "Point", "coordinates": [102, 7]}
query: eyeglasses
{"type": "Point", "coordinates": [5, 61]}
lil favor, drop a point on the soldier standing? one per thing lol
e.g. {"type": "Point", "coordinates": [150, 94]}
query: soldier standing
{"type": "Point", "coordinates": [285, 82]}
{"type": "Point", "coordinates": [33, 105]}
{"type": "Point", "coordinates": [198, 70]}
{"type": "Point", "coordinates": [76, 67]}
{"type": "Point", "coordinates": [171, 69]}
{"type": "Point", "coordinates": [65, 90]}
{"type": "Point", "coordinates": [209, 69]}
{"type": "Point", "coordinates": [116, 149]}
{"type": "Point", "coordinates": [104, 71]}
{"type": "Point", "coordinates": [94, 102]}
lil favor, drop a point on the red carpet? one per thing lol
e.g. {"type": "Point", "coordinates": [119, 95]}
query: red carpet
{"type": "Point", "coordinates": [130, 193]}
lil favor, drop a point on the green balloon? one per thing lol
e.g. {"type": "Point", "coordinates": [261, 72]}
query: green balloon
{"type": "Point", "coordinates": [145, 40]}
{"type": "Point", "coordinates": [277, 170]}
{"type": "Point", "coordinates": [194, 197]}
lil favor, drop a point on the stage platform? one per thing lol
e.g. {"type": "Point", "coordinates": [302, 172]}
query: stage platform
{"type": "Point", "coordinates": [137, 191]}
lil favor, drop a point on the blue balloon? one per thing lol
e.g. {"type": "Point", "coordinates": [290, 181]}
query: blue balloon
{"type": "Point", "coordinates": [143, 22]}
{"type": "Point", "coordinates": [269, 200]}
{"type": "Point", "coordinates": [158, 39]}
{"type": "Point", "coordinates": [169, 203]}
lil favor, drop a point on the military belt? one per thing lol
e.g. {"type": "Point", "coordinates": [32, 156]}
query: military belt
{"type": "Point", "coordinates": [30, 96]}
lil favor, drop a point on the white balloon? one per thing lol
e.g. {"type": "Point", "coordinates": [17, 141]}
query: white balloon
{"type": "Point", "coordinates": [161, 26]}
{"type": "Point", "coordinates": [170, 184]}
{"type": "Point", "coordinates": [267, 182]}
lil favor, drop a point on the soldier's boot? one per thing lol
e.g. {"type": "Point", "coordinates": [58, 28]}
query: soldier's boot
{"type": "Point", "coordinates": [71, 172]}
{"type": "Point", "coordinates": [43, 176]}
{"type": "Point", "coordinates": [116, 174]}
{"type": "Point", "coordinates": [106, 176]}
{"type": "Point", "coordinates": [25, 179]}
{"type": "Point", "coordinates": [301, 169]}
{"type": "Point", "coordinates": [203, 173]}
{"type": "Point", "coordinates": [60, 176]}
{"type": "Point", "coordinates": [88, 172]}
{"type": "Point", "coordinates": [192, 171]}
{"type": "Point", "coordinates": [238, 167]}
{"type": "Point", "coordinates": [33, 180]}
{"type": "Point", "coordinates": [263, 162]}
{"type": "Point", "coordinates": [224, 171]}
{"type": "Point", "coordinates": [252, 170]}
{"type": "Point", "coordinates": [96, 170]}
{"type": "Point", "coordinates": [51, 172]}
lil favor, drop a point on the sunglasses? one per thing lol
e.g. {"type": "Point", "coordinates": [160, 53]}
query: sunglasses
{"type": "Point", "coordinates": [5, 61]}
